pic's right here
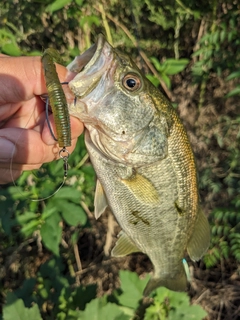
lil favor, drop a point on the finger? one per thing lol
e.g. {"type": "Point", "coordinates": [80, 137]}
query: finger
{"type": "Point", "coordinates": [22, 78]}
{"type": "Point", "coordinates": [7, 175]}
{"type": "Point", "coordinates": [26, 114]}
{"type": "Point", "coordinates": [22, 146]}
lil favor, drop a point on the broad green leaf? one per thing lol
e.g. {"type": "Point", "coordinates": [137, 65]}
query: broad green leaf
{"type": "Point", "coordinates": [132, 288]}
{"type": "Point", "coordinates": [51, 233]}
{"type": "Point", "coordinates": [68, 193]}
{"type": "Point", "coordinates": [11, 49]}
{"type": "Point", "coordinates": [173, 305]}
{"type": "Point", "coordinates": [97, 309]}
{"type": "Point", "coordinates": [73, 214]}
{"type": "Point", "coordinates": [48, 211]}
{"type": "Point", "coordinates": [187, 312]}
{"type": "Point", "coordinates": [14, 309]}
{"type": "Point", "coordinates": [57, 5]}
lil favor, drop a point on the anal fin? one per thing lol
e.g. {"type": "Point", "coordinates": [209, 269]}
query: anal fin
{"type": "Point", "coordinates": [124, 246]}
{"type": "Point", "coordinates": [200, 239]}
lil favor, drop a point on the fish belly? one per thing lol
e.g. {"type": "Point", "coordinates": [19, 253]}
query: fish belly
{"type": "Point", "coordinates": [157, 228]}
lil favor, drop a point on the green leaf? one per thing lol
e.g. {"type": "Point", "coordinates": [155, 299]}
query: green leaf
{"type": "Point", "coordinates": [132, 288]}
{"type": "Point", "coordinates": [57, 5]}
{"type": "Point", "coordinates": [174, 66]}
{"type": "Point", "coordinates": [157, 64]}
{"type": "Point", "coordinates": [79, 2]}
{"type": "Point", "coordinates": [51, 233]}
{"type": "Point", "coordinates": [90, 20]}
{"type": "Point", "coordinates": [98, 309]}
{"type": "Point", "coordinates": [233, 75]}
{"type": "Point", "coordinates": [68, 193]}
{"type": "Point", "coordinates": [11, 49]}
{"type": "Point", "coordinates": [153, 79]}
{"type": "Point", "coordinates": [15, 309]}
{"type": "Point", "coordinates": [25, 217]}
{"type": "Point", "coordinates": [83, 295]}
{"type": "Point", "coordinates": [166, 79]}
{"type": "Point", "coordinates": [181, 309]}
{"type": "Point", "coordinates": [30, 227]}
{"type": "Point", "coordinates": [233, 92]}
{"type": "Point", "coordinates": [173, 305]}
{"type": "Point", "coordinates": [73, 214]}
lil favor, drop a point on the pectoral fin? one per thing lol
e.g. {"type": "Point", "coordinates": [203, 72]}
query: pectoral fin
{"type": "Point", "coordinates": [100, 201]}
{"type": "Point", "coordinates": [142, 189]}
{"type": "Point", "coordinates": [200, 239]}
{"type": "Point", "coordinates": [124, 246]}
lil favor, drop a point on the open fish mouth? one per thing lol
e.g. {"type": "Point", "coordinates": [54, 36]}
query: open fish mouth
{"type": "Point", "coordinates": [89, 57]}
{"type": "Point", "coordinates": [89, 67]}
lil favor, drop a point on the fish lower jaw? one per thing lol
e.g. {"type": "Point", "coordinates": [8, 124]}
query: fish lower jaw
{"type": "Point", "coordinates": [77, 109]}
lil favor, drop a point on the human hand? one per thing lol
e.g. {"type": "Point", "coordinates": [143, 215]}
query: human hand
{"type": "Point", "coordinates": [25, 139]}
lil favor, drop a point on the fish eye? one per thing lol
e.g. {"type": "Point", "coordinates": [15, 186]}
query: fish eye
{"type": "Point", "coordinates": [132, 82]}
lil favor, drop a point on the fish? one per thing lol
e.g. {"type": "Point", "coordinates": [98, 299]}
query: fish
{"type": "Point", "coordinates": [145, 167]}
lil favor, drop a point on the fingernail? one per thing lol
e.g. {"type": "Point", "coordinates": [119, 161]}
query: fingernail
{"type": "Point", "coordinates": [7, 150]}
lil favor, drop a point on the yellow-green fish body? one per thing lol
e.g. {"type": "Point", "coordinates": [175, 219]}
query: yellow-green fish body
{"type": "Point", "coordinates": [144, 163]}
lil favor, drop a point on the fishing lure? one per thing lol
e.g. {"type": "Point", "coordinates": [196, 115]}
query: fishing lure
{"type": "Point", "coordinates": [57, 98]}
{"type": "Point", "coordinates": [58, 102]}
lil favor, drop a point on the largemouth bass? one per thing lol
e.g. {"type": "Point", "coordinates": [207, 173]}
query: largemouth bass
{"type": "Point", "coordinates": [144, 163]}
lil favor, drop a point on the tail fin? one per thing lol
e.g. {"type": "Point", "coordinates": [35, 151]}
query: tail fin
{"type": "Point", "coordinates": [178, 283]}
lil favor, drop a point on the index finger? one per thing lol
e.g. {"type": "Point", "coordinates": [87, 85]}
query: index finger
{"type": "Point", "coordinates": [21, 78]}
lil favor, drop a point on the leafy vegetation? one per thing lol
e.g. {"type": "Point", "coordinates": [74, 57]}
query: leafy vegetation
{"type": "Point", "coordinates": [123, 304]}
{"type": "Point", "coordinates": [191, 50]}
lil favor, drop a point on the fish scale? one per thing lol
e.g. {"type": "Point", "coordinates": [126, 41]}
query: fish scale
{"type": "Point", "coordinates": [144, 163]}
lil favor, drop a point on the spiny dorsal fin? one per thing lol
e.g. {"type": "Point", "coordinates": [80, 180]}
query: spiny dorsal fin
{"type": "Point", "coordinates": [124, 246]}
{"type": "Point", "coordinates": [100, 201]}
{"type": "Point", "coordinates": [200, 239]}
{"type": "Point", "coordinates": [142, 189]}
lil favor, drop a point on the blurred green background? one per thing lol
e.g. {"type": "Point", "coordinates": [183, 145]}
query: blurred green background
{"type": "Point", "coordinates": [54, 257]}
